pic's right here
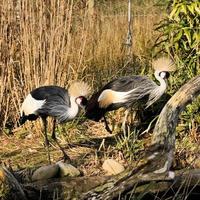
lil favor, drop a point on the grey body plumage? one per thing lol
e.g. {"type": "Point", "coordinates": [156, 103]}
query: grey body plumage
{"type": "Point", "coordinates": [128, 91]}
{"type": "Point", "coordinates": [54, 101]}
{"type": "Point", "coordinates": [57, 102]}
{"type": "Point", "coordinates": [131, 88]}
{"type": "Point", "coordinates": [139, 83]}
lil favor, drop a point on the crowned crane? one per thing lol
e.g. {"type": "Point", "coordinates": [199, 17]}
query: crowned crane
{"type": "Point", "coordinates": [128, 92]}
{"type": "Point", "coordinates": [61, 104]}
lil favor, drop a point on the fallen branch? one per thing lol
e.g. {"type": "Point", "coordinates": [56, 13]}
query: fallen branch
{"type": "Point", "coordinates": [163, 141]}
{"type": "Point", "coordinates": [127, 183]}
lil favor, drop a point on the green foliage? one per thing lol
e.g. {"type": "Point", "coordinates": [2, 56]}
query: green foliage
{"type": "Point", "coordinates": [180, 36]}
{"type": "Point", "coordinates": [129, 144]}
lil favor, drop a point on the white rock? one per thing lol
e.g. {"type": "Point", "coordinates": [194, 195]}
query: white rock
{"type": "Point", "coordinates": [112, 167]}
{"type": "Point", "coordinates": [67, 170]}
{"type": "Point", "coordinates": [45, 172]}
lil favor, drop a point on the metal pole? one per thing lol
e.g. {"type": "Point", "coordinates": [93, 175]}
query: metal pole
{"type": "Point", "coordinates": [129, 11]}
{"type": "Point", "coordinates": [129, 34]}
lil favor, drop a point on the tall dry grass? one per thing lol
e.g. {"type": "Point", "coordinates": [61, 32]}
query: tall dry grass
{"type": "Point", "coordinates": [57, 41]}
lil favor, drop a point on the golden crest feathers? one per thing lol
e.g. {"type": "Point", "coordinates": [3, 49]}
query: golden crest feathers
{"type": "Point", "coordinates": [164, 64]}
{"type": "Point", "coordinates": [79, 88]}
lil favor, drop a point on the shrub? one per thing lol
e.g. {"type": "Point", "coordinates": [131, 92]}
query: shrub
{"type": "Point", "coordinates": [180, 37]}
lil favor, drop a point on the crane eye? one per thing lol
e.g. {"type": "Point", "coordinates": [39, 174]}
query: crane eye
{"type": "Point", "coordinates": [164, 74]}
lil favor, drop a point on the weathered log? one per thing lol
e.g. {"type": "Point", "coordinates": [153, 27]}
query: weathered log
{"type": "Point", "coordinates": [10, 188]}
{"type": "Point", "coordinates": [163, 140]}
{"type": "Point", "coordinates": [164, 131]}
{"type": "Point", "coordinates": [144, 183]}
{"type": "Point", "coordinates": [48, 189]}
{"type": "Point", "coordinates": [99, 187]}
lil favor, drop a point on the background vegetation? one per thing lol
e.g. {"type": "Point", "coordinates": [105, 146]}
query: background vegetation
{"type": "Point", "coordinates": [59, 41]}
{"type": "Point", "coordinates": [56, 42]}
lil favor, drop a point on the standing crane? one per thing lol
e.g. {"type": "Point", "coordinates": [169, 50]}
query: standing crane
{"type": "Point", "coordinates": [61, 104]}
{"type": "Point", "coordinates": [128, 92]}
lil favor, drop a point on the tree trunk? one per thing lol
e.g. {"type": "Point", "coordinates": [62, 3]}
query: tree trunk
{"type": "Point", "coordinates": [163, 140]}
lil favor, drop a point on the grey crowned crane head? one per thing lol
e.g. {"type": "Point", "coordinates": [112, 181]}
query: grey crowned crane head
{"type": "Point", "coordinates": [164, 74]}
{"type": "Point", "coordinates": [81, 101]}
{"type": "Point", "coordinates": [163, 66]}
{"type": "Point", "coordinates": [79, 91]}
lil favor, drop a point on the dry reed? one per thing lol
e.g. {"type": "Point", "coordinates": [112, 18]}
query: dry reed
{"type": "Point", "coordinates": [56, 42]}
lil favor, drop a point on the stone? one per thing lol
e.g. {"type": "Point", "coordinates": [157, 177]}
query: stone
{"type": "Point", "coordinates": [67, 170]}
{"type": "Point", "coordinates": [45, 172]}
{"type": "Point", "coordinates": [112, 167]}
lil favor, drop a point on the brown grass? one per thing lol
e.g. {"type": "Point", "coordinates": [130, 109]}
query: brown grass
{"type": "Point", "coordinates": [56, 42]}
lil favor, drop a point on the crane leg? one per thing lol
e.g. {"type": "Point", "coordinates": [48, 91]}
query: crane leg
{"type": "Point", "coordinates": [44, 120]}
{"type": "Point", "coordinates": [106, 125]}
{"type": "Point", "coordinates": [124, 121]}
{"type": "Point", "coordinates": [65, 156]}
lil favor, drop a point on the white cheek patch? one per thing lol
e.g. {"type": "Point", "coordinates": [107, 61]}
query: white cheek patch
{"type": "Point", "coordinates": [162, 74]}
{"type": "Point", "coordinates": [78, 101]}
{"type": "Point", "coordinates": [31, 105]}
{"type": "Point", "coordinates": [73, 109]}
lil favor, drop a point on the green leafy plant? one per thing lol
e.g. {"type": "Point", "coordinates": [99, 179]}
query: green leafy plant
{"type": "Point", "coordinates": [180, 36]}
{"type": "Point", "coordinates": [130, 144]}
